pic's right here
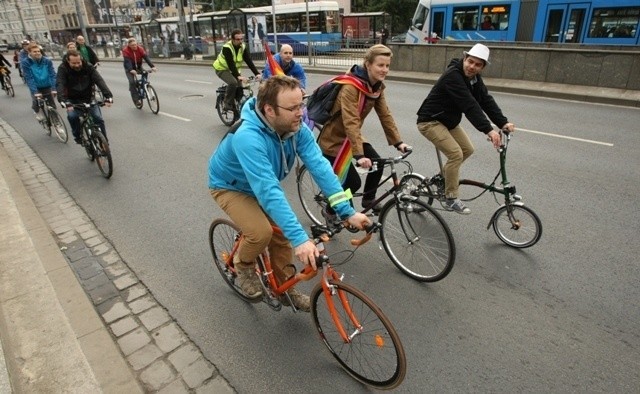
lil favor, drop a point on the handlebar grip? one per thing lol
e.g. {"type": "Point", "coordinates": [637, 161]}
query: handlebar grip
{"type": "Point", "coordinates": [370, 230]}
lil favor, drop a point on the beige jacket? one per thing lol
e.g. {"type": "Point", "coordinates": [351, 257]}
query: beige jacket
{"type": "Point", "coordinates": [348, 124]}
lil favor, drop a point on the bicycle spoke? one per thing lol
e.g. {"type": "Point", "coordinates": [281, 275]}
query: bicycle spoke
{"type": "Point", "coordinates": [417, 240]}
{"type": "Point", "coordinates": [374, 354]}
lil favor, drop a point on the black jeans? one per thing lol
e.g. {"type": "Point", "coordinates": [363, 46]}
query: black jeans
{"type": "Point", "coordinates": [46, 93]}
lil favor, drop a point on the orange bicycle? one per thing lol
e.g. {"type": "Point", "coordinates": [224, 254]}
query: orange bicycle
{"type": "Point", "coordinates": [350, 324]}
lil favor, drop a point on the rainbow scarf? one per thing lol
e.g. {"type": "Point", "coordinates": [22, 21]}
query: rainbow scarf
{"type": "Point", "coordinates": [343, 161]}
{"type": "Point", "coordinates": [345, 155]}
{"type": "Point", "coordinates": [274, 67]}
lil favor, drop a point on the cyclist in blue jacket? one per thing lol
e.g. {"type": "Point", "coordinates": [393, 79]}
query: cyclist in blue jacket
{"type": "Point", "coordinates": [245, 173]}
{"type": "Point", "coordinates": [40, 76]}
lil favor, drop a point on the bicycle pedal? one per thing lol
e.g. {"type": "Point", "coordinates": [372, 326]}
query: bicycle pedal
{"type": "Point", "coordinates": [273, 303]}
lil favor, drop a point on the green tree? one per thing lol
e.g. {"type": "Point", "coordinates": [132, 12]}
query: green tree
{"type": "Point", "coordinates": [401, 12]}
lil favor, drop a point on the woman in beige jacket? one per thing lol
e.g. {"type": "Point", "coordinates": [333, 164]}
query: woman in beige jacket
{"type": "Point", "coordinates": [354, 102]}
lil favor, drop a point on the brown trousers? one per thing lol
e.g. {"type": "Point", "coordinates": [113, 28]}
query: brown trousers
{"type": "Point", "coordinates": [455, 145]}
{"type": "Point", "coordinates": [257, 229]}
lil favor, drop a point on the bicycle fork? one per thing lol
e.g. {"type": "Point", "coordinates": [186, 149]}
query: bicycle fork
{"type": "Point", "coordinates": [329, 292]}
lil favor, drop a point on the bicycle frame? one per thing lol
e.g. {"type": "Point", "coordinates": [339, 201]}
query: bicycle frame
{"type": "Point", "coordinates": [43, 104]}
{"type": "Point", "coordinates": [393, 176]}
{"type": "Point", "coordinates": [507, 190]}
{"type": "Point", "coordinates": [141, 84]}
{"type": "Point", "coordinates": [523, 227]}
{"type": "Point", "coordinates": [306, 274]}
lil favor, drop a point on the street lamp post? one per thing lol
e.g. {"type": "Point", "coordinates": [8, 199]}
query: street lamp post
{"type": "Point", "coordinates": [81, 19]}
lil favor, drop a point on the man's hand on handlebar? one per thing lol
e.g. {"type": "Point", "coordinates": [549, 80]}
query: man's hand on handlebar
{"type": "Point", "coordinates": [509, 128]}
{"type": "Point", "coordinates": [108, 102]}
{"type": "Point", "coordinates": [307, 253]}
{"type": "Point", "coordinates": [495, 139]}
{"type": "Point", "coordinates": [133, 72]}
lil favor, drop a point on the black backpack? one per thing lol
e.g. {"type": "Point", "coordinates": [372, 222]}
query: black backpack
{"type": "Point", "coordinates": [320, 102]}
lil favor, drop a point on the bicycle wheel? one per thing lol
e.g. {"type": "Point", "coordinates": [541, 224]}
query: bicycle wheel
{"type": "Point", "coordinates": [374, 354]}
{"type": "Point", "coordinates": [413, 184]}
{"type": "Point", "coordinates": [227, 117]}
{"type": "Point", "coordinates": [311, 198]}
{"type": "Point", "coordinates": [517, 226]}
{"type": "Point", "coordinates": [139, 104]}
{"type": "Point", "coordinates": [222, 237]}
{"type": "Point", "coordinates": [417, 240]}
{"type": "Point", "coordinates": [9, 86]}
{"type": "Point", "coordinates": [56, 123]}
{"type": "Point", "coordinates": [102, 153]}
{"type": "Point", "coordinates": [152, 99]}
{"type": "Point", "coordinates": [46, 122]}
{"type": "Point", "coordinates": [88, 146]}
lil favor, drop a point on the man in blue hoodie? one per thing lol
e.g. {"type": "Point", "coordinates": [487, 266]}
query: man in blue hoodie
{"type": "Point", "coordinates": [40, 76]}
{"type": "Point", "coordinates": [245, 173]}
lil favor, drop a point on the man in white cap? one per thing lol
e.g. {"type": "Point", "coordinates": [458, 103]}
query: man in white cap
{"type": "Point", "coordinates": [459, 90]}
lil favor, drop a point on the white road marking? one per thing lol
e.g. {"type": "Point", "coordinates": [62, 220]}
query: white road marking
{"type": "Point", "coordinates": [566, 137]}
{"type": "Point", "coordinates": [175, 117]}
{"type": "Point", "coordinates": [202, 82]}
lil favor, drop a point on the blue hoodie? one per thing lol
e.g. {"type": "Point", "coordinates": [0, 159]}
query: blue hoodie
{"type": "Point", "coordinates": [254, 160]}
{"type": "Point", "coordinates": [39, 74]}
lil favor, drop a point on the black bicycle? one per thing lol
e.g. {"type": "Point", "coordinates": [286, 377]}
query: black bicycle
{"type": "Point", "coordinates": [514, 223]}
{"type": "Point", "coordinates": [93, 141]}
{"type": "Point", "coordinates": [8, 87]}
{"type": "Point", "coordinates": [229, 117]}
{"type": "Point", "coordinates": [52, 120]}
{"type": "Point", "coordinates": [414, 236]}
{"type": "Point", "coordinates": [146, 91]}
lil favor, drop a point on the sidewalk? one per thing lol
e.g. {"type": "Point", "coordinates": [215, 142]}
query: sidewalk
{"type": "Point", "coordinates": [73, 317]}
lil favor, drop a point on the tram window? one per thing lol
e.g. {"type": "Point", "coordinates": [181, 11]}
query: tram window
{"type": "Point", "coordinates": [614, 22]}
{"type": "Point", "coordinates": [495, 17]}
{"type": "Point", "coordinates": [465, 18]}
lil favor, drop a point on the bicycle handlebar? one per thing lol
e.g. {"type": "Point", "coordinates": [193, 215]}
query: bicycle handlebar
{"type": "Point", "coordinates": [324, 232]}
{"type": "Point", "coordinates": [84, 106]}
{"type": "Point", "coordinates": [389, 160]}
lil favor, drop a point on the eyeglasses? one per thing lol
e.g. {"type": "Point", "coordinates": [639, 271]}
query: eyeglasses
{"type": "Point", "coordinates": [295, 108]}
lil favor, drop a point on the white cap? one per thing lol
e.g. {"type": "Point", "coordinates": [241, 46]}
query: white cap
{"type": "Point", "coordinates": [480, 51]}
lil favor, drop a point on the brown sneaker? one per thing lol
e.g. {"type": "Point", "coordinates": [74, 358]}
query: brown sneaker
{"type": "Point", "coordinates": [249, 282]}
{"type": "Point", "coordinates": [300, 301]}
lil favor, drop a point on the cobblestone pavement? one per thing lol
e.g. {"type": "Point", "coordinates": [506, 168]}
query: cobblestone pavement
{"type": "Point", "coordinates": [161, 355]}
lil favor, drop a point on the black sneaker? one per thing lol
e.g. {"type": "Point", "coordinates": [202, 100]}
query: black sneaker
{"type": "Point", "coordinates": [455, 205]}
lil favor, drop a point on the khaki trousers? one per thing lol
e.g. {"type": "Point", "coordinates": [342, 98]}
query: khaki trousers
{"type": "Point", "coordinates": [455, 145]}
{"type": "Point", "coordinates": [255, 225]}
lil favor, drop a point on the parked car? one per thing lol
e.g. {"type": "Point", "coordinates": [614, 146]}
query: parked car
{"type": "Point", "coordinates": [399, 38]}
